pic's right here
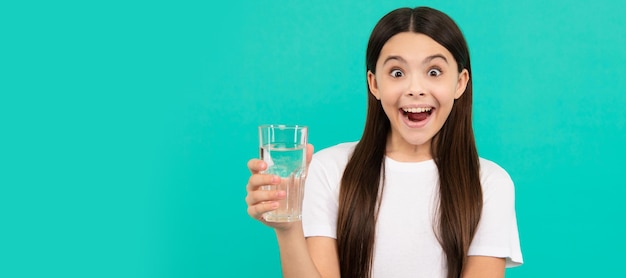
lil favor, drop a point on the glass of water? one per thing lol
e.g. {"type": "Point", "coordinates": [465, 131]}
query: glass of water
{"type": "Point", "coordinates": [283, 148]}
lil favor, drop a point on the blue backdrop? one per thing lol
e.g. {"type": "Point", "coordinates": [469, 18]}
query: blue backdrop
{"type": "Point", "coordinates": [126, 126]}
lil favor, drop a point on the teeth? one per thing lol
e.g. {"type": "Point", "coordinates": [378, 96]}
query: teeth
{"type": "Point", "coordinates": [417, 109]}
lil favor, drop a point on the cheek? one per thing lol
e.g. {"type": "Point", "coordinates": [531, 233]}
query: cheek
{"type": "Point", "coordinates": [388, 106]}
{"type": "Point", "coordinates": [446, 93]}
{"type": "Point", "coordinates": [388, 92]}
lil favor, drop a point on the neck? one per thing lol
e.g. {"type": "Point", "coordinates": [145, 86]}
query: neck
{"type": "Point", "coordinates": [402, 151]}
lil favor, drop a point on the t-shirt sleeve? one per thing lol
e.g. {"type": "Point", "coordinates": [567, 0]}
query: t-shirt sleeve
{"type": "Point", "coordinates": [320, 204]}
{"type": "Point", "coordinates": [497, 234]}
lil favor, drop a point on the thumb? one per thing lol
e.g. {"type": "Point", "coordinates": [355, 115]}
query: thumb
{"type": "Point", "coordinates": [309, 153]}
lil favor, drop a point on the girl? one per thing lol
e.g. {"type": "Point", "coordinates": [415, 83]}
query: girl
{"type": "Point", "coordinates": [411, 198]}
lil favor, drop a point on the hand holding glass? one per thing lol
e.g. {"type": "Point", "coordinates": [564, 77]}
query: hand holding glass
{"type": "Point", "coordinates": [283, 148]}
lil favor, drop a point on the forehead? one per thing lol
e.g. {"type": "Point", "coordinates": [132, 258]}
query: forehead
{"type": "Point", "coordinates": [413, 47]}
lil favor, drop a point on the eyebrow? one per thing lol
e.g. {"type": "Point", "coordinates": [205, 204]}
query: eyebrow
{"type": "Point", "coordinates": [432, 57]}
{"type": "Point", "coordinates": [427, 60]}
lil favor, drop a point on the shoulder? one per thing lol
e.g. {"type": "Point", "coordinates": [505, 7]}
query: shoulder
{"type": "Point", "coordinates": [329, 163]}
{"type": "Point", "coordinates": [338, 153]}
{"type": "Point", "coordinates": [339, 149]}
{"type": "Point", "coordinates": [494, 179]}
{"type": "Point", "coordinates": [490, 169]}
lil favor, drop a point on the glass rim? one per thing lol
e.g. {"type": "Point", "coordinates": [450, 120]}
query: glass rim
{"type": "Point", "coordinates": [283, 126]}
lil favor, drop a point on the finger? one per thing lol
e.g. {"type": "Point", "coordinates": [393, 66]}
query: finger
{"type": "Point", "coordinates": [309, 154]}
{"type": "Point", "coordinates": [257, 180]}
{"type": "Point", "coordinates": [261, 196]}
{"type": "Point", "coordinates": [256, 165]}
{"type": "Point", "coordinates": [258, 210]}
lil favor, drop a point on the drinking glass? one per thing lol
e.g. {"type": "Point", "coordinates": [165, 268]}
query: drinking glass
{"type": "Point", "coordinates": [283, 148]}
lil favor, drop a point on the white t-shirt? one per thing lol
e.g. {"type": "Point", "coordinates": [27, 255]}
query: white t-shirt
{"type": "Point", "coordinates": [405, 243]}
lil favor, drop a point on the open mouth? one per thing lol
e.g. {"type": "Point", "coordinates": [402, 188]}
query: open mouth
{"type": "Point", "coordinates": [417, 114]}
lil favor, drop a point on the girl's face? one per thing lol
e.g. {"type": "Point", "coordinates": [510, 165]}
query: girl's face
{"type": "Point", "coordinates": [416, 82]}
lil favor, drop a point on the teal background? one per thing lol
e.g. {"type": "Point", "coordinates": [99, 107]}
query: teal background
{"type": "Point", "coordinates": [125, 126]}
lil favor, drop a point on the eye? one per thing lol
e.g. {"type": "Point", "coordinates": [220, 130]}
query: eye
{"type": "Point", "coordinates": [397, 73]}
{"type": "Point", "coordinates": [434, 72]}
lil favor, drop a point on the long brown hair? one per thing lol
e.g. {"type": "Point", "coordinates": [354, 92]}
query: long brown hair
{"type": "Point", "coordinates": [453, 150]}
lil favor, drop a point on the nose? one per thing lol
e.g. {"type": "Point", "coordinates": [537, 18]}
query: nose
{"type": "Point", "coordinates": [415, 93]}
{"type": "Point", "coordinates": [415, 87]}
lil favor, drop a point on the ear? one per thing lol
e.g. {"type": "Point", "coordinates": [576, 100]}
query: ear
{"type": "Point", "coordinates": [461, 83]}
{"type": "Point", "coordinates": [373, 85]}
